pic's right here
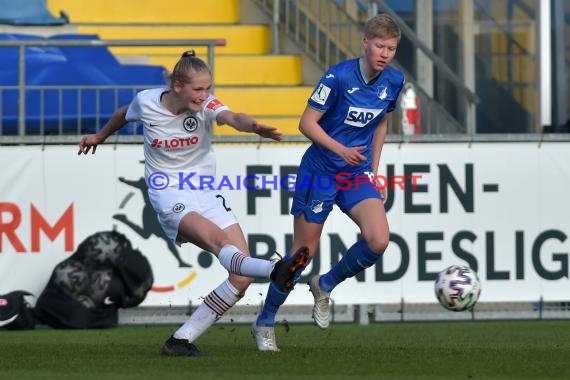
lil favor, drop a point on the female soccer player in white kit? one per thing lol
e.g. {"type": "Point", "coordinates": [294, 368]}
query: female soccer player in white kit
{"type": "Point", "coordinates": [177, 127]}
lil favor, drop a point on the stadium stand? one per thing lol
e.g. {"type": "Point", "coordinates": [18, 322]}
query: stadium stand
{"type": "Point", "coordinates": [149, 11]}
{"type": "Point", "coordinates": [28, 12]}
{"type": "Point", "coordinates": [52, 108]}
{"type": "Point", "coordinates": [247, 75]}
{"type": "Point", "coordinates": [101, 57]}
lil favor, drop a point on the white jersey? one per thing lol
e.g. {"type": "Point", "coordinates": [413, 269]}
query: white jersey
{"type": "Point", "coordinates": [176, 145]}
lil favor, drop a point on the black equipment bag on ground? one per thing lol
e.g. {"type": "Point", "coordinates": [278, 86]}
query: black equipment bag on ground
{"type": "Point", "coordinates": [87, 289]}
{"type": "Point", "coordinates": [16, 312]}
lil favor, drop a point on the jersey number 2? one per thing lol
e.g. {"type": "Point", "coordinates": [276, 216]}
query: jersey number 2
{"type": "Point", "coordinates": [223, 202]}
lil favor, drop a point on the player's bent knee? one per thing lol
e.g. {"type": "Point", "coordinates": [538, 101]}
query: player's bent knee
{"type": "Point", "coordinates": [378, 245]}
{"type": "Point", "coordinates": [312, 250]}
{"type": "Point", "coordinates": [241, 283]}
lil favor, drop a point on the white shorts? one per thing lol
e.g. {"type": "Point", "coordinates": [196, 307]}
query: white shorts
{"type": "Point", "coordinates": [172, 205]}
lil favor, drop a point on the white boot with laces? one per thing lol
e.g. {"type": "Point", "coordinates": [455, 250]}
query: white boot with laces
{"type": "Point", "coordinates": [264, 338]}
{"type": "Point", "coordinates": [321, 307]}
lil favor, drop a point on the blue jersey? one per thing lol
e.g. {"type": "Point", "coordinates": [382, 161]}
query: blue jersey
{"type": "Point", "coordinates": [352, 109]}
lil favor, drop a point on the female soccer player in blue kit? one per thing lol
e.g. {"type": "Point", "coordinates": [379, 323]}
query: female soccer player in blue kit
{"type": "Point", "coordinates": [346, 119]}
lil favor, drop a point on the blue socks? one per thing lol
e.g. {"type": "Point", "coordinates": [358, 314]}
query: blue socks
{"type": "Point", "coordinates": [275, 298]}
{"type": "Point", "coordinates": [357, 258]}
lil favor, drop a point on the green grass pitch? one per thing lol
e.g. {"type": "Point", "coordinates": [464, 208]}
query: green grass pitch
{"type": "Point", "coordinates": [427, 350]}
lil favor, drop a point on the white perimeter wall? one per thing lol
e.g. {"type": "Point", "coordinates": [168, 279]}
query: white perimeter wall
{"type": "Point", "coordinates": [503, 208]}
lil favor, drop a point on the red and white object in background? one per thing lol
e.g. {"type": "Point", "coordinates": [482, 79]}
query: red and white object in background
{"type": "Point", "coordinates": [410, 103]}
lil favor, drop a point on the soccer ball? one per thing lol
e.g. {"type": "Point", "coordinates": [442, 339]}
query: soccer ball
{"type": "Point", "coordinates": [71, 276]}
{"type": "Point", "coordinates": [457, 288]}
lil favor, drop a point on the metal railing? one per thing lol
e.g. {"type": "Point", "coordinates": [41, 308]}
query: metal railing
{"type": "Point", "coordinates": [328, 34]}
{"type": "Point", "coordinates": [99, 93]}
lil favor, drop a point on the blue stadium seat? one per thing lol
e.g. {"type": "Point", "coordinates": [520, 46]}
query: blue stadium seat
{"type": "Point", "coordinates": [8, 76]}
{"type": "Point", "coordinates": [69, 66]}
{"type": "Point", "coordinates": [28, 12]}
{"type": "Point", "coordinates": [68, 74]}
{"type": "Point", "coordinates": [100, 56]}
{"type": "Point", "coordinates": [34, 54]}
{"type": "Point", "coordinates": [137, 75]}
{"type": "Point", "coordinates": [122, 74]}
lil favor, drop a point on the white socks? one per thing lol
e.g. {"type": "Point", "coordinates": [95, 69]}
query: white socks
{"type": "Point", "coordinates": [236, 262]}
{"type": "Point", "coordinates": [224, 296]}
{"type": "Point", "coordinates": [215, 304]}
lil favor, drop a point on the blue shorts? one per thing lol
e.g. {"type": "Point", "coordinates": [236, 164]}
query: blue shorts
{"type": "Point", "coordinates": [316, 194]}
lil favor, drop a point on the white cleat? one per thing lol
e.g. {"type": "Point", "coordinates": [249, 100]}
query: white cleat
{"type": "Point", "coordinates": [264, 338]}
{"type": "Point", "coordinates": [321, 306]}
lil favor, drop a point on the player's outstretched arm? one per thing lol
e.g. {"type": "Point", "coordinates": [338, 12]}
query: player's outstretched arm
{"type": "Point", "coordinates": [267, 131]}
{"type": "Point", "coordinates": [245, 123]}
{"type": "Point", "coordinates": [117, 121]}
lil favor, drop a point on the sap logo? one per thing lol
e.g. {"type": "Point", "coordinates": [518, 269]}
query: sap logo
{"type": "Point", "coordinates": [360, 117]}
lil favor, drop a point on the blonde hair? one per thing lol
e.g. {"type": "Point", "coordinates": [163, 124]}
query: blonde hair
{"type": "Point", "coordinates": [186, 65]}
{"type": "Point", "coordinates": [382, 26]}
